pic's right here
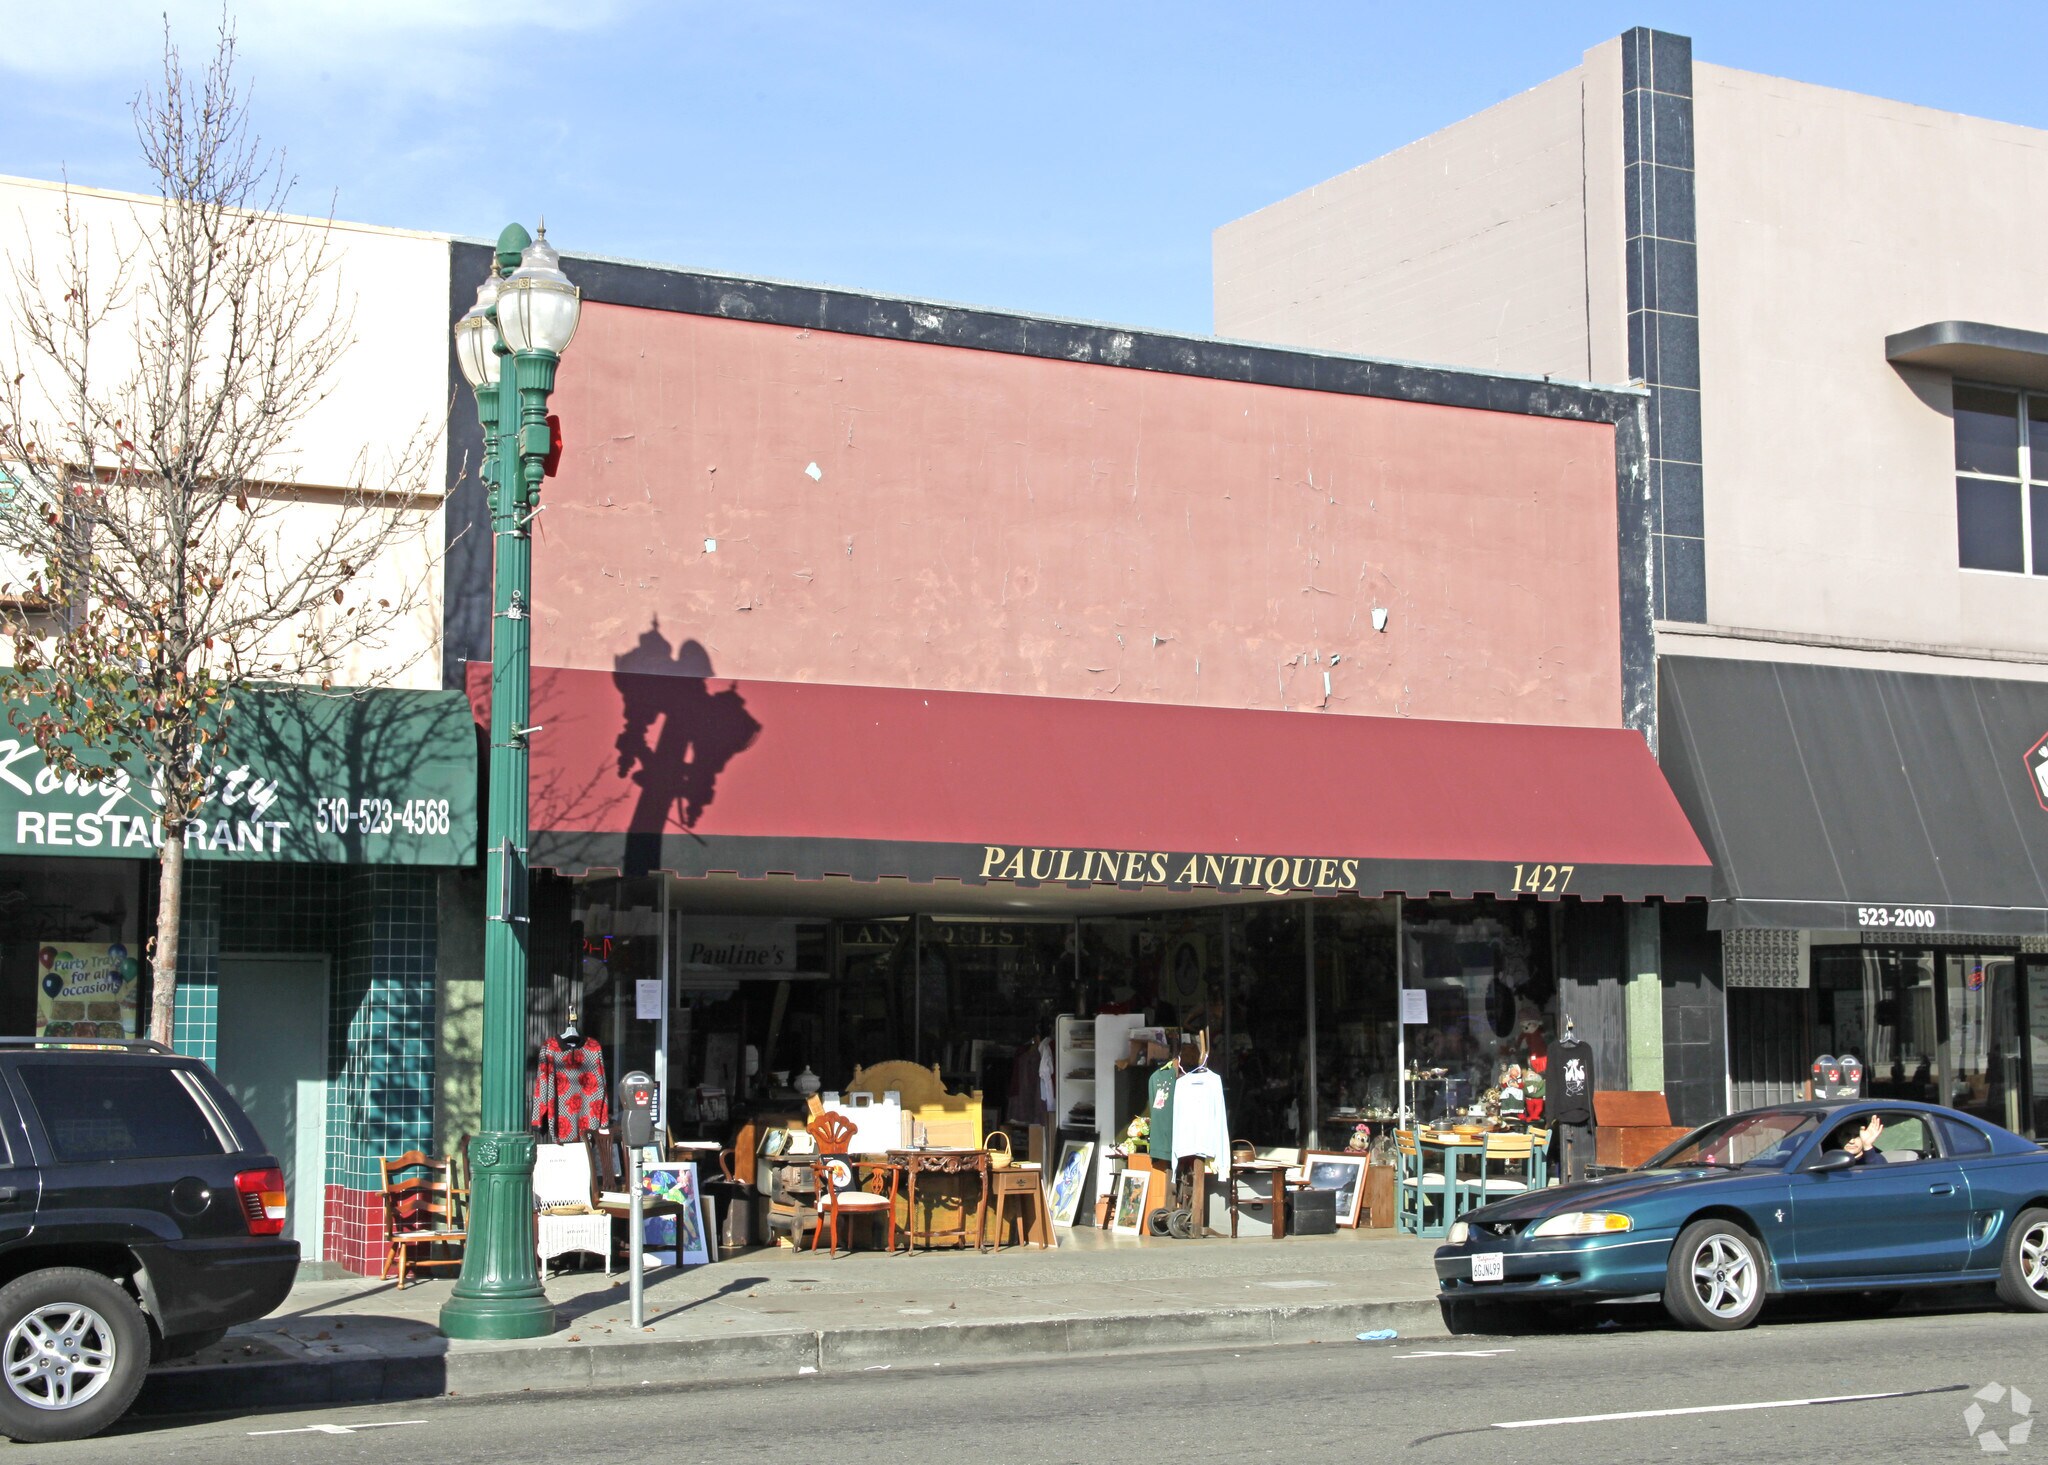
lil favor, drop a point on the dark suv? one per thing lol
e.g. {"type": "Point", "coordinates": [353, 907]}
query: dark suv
{"type": "Point", "coordinates": [140, 1218]}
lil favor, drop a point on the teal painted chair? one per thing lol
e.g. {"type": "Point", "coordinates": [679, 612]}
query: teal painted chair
{"type": "Point", "coordinates": [1507, 1166]}
{"type": "Point", "coordinates": [1426, 1202]}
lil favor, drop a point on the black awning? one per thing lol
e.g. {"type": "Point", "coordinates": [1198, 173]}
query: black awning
{"type": "Point", "coordinates": [1839, 798]}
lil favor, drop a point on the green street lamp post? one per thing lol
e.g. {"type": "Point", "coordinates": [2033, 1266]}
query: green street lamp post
{"type": "Point", "coordinates": [509, 345]}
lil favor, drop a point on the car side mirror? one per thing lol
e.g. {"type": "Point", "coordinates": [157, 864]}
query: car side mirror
{"type": "Point", "coordinates": [1832, 1160]}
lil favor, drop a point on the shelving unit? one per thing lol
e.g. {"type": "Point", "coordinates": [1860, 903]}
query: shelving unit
{"type": "Point", "coordinates": [1112, 1041]}
{"type": "Point", "coordinates": [1074, 1073]}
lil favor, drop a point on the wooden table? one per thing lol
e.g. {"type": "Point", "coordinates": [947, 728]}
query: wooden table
{"type": "Point", "coordinates": [909, 1164]}
{"type": "Point", "coordinates": [1276, 1173]}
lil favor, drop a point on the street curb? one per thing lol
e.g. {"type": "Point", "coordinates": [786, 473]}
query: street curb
{"type": "Point", "coordinates": [546, 1366]}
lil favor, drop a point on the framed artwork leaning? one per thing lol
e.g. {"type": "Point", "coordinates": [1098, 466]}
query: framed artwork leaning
{"type": "Point", "coordinates": [1342, 1171]}
{"type": "Point", "coordinates": [1069, 1179]}
{"type": "Point", "coordinates": [1128, 1216]}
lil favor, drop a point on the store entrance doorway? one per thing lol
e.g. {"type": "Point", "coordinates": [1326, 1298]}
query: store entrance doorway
{"type": "Point", "coordinates": [272, 1055]}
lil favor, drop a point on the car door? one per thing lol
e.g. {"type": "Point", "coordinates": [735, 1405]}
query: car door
{"type": "Point", "coordinates": [20, 1181]}
{"type": "Point", "coordinates": [1903, 1212]}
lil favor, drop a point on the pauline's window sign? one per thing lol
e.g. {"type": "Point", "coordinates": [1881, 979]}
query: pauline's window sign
{"type": "Point", "coordinates": [367, 777]}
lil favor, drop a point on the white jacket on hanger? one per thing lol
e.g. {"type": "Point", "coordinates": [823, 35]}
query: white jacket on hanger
{"type": "Point", "coordinates": [1200, 1126]}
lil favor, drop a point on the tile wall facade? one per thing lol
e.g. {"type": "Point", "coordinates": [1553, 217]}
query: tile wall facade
{"type": "Point", "coordinates": [377, 925]}
{"type": "Point", "coordinates": [1662, 268]}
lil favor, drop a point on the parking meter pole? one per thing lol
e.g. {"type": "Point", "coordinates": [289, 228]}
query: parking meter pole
{"type": "Point", "coordinates": [636, 1250]}
{"type": "Point", "coordinates": [634, 1116]}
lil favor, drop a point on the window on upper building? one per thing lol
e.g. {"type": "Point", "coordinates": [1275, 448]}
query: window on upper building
{"type": "Point", "coordinates": [2001, 480]}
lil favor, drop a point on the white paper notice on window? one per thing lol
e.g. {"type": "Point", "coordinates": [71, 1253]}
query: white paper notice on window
{"type": "Point", "coordinates": [647, 999]}
{"type": "Point", "coordinates": [1414, 1005]}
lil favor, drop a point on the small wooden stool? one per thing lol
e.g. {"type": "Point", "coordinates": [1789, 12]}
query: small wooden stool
{"type": "Point", "coordinates": [1027, 1183]}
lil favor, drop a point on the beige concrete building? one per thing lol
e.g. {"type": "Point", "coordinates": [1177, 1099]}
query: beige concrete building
{"type": "Point", "coordinates": [1837, 306]}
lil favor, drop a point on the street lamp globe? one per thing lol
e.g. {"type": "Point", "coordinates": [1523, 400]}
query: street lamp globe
{"type": "Point", "coordinates": [537, 306]}
{"type": "Point", "coordinates": [476, 337]}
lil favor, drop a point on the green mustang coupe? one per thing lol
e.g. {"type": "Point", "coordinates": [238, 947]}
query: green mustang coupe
{"type": "Point", "coordinates": [1795, 1199]}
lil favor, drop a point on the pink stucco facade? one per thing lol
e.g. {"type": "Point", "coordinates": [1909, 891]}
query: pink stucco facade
{"type": "Point", "coordinates": [812, 506]}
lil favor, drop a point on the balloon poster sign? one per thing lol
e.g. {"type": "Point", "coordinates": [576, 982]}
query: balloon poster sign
{"type": "Point", "coordinates": [86, 989]}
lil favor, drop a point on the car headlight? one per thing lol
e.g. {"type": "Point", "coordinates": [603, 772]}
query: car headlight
{"type": "Point", "coordinates": [1583, 1223]}
{"type": "Point", "coordinates": [1458, 1234]}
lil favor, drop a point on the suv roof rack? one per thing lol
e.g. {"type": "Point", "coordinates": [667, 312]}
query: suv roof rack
{"type": "Point", "coordinates": [132, 1045]}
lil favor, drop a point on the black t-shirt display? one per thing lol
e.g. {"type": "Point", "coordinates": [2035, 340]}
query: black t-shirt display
{"type": "Point", "coordinates": [1569, 1083]}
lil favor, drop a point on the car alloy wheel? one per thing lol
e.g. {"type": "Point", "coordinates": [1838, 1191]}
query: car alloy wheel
{"type": "Point", "coordinates": [2034, 1258]}
{"type": "Point", "coordinates": [2023, 1274]}
{"type": "Point", "coordinates": [59, 1356]}
{"type": "Point", "coordinates": [1724, 1275]}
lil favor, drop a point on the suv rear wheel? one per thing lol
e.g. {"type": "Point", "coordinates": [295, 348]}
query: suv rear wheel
{"type": "Point", "coordinates": [73, 1351]}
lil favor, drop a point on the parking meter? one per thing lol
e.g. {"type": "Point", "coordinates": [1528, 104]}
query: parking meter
{"type": "Point", "coordinates": [1837, 1078]}
{"type": "Point", "coordinates": [634, 1119]}
{"type": "Point", "coordinates": [634, 1113]}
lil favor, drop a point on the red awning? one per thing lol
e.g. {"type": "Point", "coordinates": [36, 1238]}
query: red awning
{"type": "Point", "coordinates": [636, 772]}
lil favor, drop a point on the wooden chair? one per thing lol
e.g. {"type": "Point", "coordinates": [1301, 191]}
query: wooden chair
{"type": "Point", "coordinates": [608, 1195]}
{"type": "Point", "coordinates": [833, 1132]}
{"type": "Point", "coordinates": [1506, 1167]}
{"type": "Point", "coordinates": [1539, 1156]}
{"type": "Point", "coordinates": [419, 1214]}
{"type": "Point", "coordinates": [839, 1194]}
{"type": "Point", "coordinates": [1418, 1187]}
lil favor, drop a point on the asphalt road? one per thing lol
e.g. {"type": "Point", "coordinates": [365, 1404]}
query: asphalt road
{"type": "Point", "coordinates": [1484, 1399]}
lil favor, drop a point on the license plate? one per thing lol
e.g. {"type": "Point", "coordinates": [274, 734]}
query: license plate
{"type": "Point", "coordinates": [1489, 1266]}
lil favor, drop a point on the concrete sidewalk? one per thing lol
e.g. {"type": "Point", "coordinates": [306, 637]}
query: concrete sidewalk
{"type": "Point", "coordinates": [777, 1313]}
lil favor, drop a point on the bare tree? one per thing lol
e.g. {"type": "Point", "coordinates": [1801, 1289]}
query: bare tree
{"type": "Point", "coordinates": [174, 566]}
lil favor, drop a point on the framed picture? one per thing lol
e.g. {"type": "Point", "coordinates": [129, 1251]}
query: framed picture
{"type": "Point", "coordinates": [774, 1142]}
{"type": "Point", "coordinates": [1342, 1171]}
{"type": "Point", "coordinates": [1128, 1219]}
{"type": "Point", "coordinates": [683, 1236]}
{"type": "Point", "coordinates": [1069, 1179]}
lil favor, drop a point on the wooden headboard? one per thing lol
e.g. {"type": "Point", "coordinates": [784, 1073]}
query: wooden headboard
{"type": "Point", "coordinates": [948, 1119]}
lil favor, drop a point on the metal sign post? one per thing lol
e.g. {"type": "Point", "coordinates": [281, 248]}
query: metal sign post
{"type": "Point", "coordinates": [637, 1238]}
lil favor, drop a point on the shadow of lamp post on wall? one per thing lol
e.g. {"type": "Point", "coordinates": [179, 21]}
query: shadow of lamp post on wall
{"type": "Point", "coordinates": [509, 345]}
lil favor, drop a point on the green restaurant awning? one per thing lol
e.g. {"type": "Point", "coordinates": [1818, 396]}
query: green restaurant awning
{"type": "Point", "coordinates": [363, 777]}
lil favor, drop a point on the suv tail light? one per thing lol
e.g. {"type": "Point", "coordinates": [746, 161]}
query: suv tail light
{"type": "Point", "coordinates": [262, 1196]}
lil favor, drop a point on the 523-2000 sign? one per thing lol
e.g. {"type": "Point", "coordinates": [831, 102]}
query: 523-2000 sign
{"type": "Point", "coordinates": [1895, 917]}
{"type": "Point", "coordinates": [381, 816]}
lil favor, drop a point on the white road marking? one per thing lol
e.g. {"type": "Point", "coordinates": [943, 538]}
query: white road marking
{"type": "Point", "coordinates": [338, 1428]}
{"type": "Point", "coordinates": [1704, 1409]}
{"type": "Point", "coordinates": [1457, 1353]}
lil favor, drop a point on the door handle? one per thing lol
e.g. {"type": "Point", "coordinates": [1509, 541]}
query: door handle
{"type": "Point", "coordinates": [1941, 1190]}
{"type": "Point", "coordinates": [9, 1194]}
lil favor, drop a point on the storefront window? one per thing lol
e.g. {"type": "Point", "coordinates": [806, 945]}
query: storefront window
{"type": "Point", "coordinates": [1880, 1006]}
{"type": "Point", "coordinates": [1491, 994]}
{"type": "Point", "coordinates": [88, 908]}
{"type": "Point", "coordinates": [1266, 1080]}
{"type": "Point", "coordinates": [614, 940]}
{"type": "Point", "coordinates": [1982, 1054]}
{"type": "Point", "coordinates": [1358, 1071]}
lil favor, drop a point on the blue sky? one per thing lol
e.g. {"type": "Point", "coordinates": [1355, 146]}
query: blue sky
{"type": "Point", "coordinates": [1062, 158]}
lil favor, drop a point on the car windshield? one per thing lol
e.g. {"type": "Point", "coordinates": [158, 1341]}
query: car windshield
{"type": "Point", "coordinates": [1765, 1137]}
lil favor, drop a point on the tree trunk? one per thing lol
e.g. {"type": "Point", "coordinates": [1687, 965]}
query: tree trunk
{"type": "Point", "coordinates": [170, 905]}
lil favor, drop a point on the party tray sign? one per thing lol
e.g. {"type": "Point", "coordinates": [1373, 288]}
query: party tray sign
{"type": "Point", "coordinates": [86, 989]}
